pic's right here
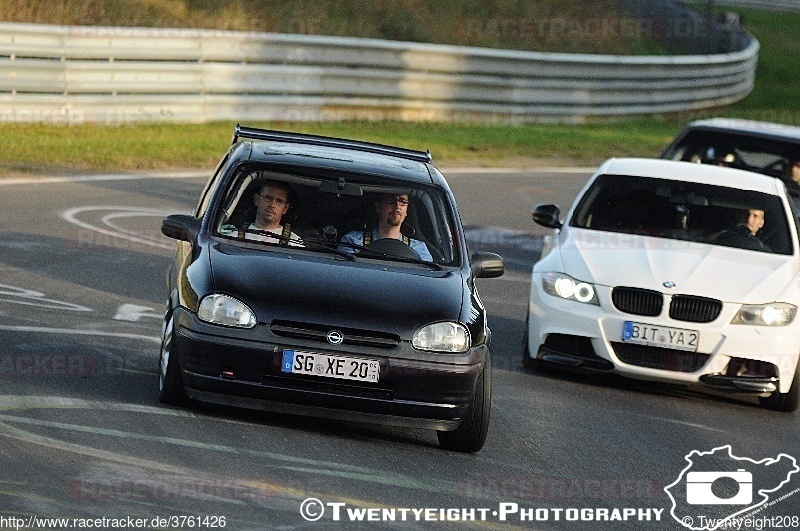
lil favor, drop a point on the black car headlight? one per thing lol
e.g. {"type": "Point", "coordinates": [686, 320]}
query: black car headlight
{"type": "Point", "coordinates": [774, 314]}
{"type": "Point", "coordinates": [566, 287]}
{"type": "Point", "coordinates": [442, 337]}
{"type": "Point", "coordinates": [225, 311]}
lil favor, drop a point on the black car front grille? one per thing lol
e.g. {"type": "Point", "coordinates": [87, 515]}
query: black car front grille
{"type": "Point", "coordinates": [694, 309]}
{"type": "Point", "coordinates": [637, 301]}
{"type": "Point", "coordinates": [320, 333]}
{"type": "Point", "coordinates": [659, 358]}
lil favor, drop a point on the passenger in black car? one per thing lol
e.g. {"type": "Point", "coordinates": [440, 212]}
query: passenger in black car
{"type": "Point", "coordinates": [792, 181]}
{"type": "Point", "coordinates": [272, 202]}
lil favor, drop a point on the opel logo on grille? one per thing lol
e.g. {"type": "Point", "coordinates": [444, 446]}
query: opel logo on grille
{"type": "Point", "coordinates": [335, 337]}
{"type": "Point", "coordinates": [668, 284]}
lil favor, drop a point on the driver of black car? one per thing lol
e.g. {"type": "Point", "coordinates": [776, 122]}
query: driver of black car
{"type": "Point", "coordinates": [392, 210]}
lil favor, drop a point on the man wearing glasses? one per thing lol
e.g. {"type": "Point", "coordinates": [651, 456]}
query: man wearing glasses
{"type": "Point", "coordinates": [272, 203]}
{"type": "Point", "coordinates": [392, 210]}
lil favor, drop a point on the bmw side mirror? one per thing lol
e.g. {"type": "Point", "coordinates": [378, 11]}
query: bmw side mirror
{"type": "Point", "coordinates": [181, 227]}
{"type": "Point", "coordinates": [487, 265]}
{"type": "Point", "coordinates": [547, 216]}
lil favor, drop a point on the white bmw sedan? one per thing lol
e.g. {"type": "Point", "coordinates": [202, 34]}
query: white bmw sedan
{"type": "Point", "coordinates": [673, 272]}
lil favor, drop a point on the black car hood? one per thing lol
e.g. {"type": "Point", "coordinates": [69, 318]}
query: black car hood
{"type": "Point", "coordinates": [324, 289]}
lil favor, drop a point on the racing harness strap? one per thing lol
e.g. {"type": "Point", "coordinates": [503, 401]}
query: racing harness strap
{"type": "Point", "coordinates": [285, 234]}
{"type": "Point", "coordinates": [367, 237]}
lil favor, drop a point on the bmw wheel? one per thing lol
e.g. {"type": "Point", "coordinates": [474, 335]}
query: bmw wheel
{"type": "Point", "coordinates": [790, 401]}
{"type": "Point", "coordinates": [528, 362]}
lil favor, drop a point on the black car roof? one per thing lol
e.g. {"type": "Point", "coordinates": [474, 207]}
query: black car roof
{"type": "Point", "coordinates": [299, 149]}
{"type": "Point", "coordinates": [746, 127]}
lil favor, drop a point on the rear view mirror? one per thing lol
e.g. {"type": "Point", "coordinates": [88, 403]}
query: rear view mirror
{"type": "Point", "coordinates": [341, 187]}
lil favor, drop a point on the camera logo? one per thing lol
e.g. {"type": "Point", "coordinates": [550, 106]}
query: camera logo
{"type": "Point", "coordinates": [716, 487]}
{"type": "Point", "coordinates": [719, 488]}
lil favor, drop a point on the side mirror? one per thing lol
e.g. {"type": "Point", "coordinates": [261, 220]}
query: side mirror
{"type": "Point", "coordinates": [547, 216]}
{"type": "Point", "coordinates": [181, 227]}
{"type": "Point", "coordinates": [487, 265]}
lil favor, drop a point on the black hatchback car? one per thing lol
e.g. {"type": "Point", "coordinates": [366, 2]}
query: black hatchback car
{"type": "Point", "coordinates": [329, 277]}
{"type": "Point", "coordinates": [761, 147]}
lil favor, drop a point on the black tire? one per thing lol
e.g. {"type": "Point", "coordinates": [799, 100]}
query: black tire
{"type": "Point", "coordinates": [470, 436]}
{"type": "Point", "coordinates": [787, 402]}
{"type": "Point", "coordinates": [528, 363]}
{"type": "Point", "coordinates": [170, 382]}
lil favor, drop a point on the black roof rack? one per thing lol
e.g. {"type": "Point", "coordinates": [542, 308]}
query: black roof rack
{"type": "Point", "coordinates": [315, 140]}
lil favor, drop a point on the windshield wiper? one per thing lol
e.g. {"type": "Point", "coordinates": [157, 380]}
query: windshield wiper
{"type": "Point", "coordinates": [381, 254]}
{"type": "Point", "coordinates": [308, 244]}
{"type": "Point", "coordinates": [330, 247]}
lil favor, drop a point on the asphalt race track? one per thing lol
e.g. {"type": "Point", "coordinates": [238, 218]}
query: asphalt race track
{"type": "Point", "coordinates": [83, 437]}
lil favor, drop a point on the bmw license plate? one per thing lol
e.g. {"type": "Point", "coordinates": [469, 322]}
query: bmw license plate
{"type": "Point", "coordinates": [346, 368]}
{"type": "Point", "coordinates": [660, 336]}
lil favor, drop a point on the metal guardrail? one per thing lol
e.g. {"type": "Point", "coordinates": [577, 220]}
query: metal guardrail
{"type": "Point", "coordinates": [789, 6]}
{"type": "Point", "coordinates": [66, 74]}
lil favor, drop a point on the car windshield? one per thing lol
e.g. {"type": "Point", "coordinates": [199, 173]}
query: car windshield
{"type": "Point", "coordinates": [758, 154]}
{"type": "Point", "coordinates": [681, 210]}
{"type": "Point", "coordinates": [337, 214]}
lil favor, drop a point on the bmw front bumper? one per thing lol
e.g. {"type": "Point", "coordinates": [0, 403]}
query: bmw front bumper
{"type": "Point", "coordinates": [737, 358]}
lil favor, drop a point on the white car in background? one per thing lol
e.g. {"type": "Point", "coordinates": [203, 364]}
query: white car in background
{"type": "Point", "coordinates": [654, 274]}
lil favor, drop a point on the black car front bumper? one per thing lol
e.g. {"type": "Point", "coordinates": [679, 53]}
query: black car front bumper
{"type": "Point", "coordinates": [243, 368]}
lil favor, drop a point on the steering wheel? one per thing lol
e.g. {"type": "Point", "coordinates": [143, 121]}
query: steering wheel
{"type": "Point", "coordinates": [392, 247]}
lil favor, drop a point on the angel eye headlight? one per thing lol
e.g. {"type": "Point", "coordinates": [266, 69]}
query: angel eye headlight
{"type": "Point", "coordinates": [566, 287]}
{"type": "Point", "coordinates": [226, 311]}
{"type": "Point", "coordinates": [773, 314]}
{"type": "Point", "coordinates": [442, 337]}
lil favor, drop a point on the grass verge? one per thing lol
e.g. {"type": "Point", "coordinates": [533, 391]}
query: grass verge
{"type": "Point", "coordinates": [39, 148]}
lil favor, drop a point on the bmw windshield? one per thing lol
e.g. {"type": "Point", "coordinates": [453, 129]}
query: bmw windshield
{"type": "Point", "coordinates": [690, 211]}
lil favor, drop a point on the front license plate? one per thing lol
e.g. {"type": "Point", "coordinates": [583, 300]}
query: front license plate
{"type": "Point", "coordinates": [660, 336]}
{"type": "Point", "coordinates": [343, 367]}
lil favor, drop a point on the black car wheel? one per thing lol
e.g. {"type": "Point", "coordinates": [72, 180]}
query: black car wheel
{"type": "Point", "coordinates": [170, 383]}
{"type": "Point", "coordinates": [790, 401]}
{"type": "Point", "coordinates": [471, 434]}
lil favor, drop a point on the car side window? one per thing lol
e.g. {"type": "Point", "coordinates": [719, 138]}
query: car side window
{"type": "Point", "coordinates": [238, 205]}
{"type": "Point", "coordinates": [205, 197]}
